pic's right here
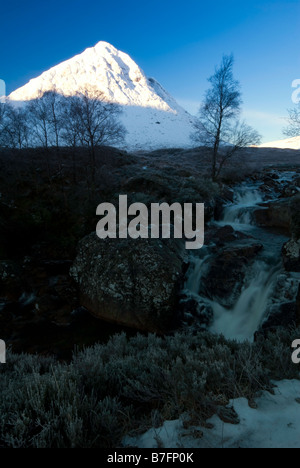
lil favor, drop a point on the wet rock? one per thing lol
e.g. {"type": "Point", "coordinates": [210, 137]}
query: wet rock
{"type": "Point", "coordinates": [130, 282]}
{"type": "Point", "coordinates": [274, 214]}
{"type": "Point", "coordinates": [295, 217]}
{"type": "Point", "coordinates": [296, 182]}
{"type": "Point", "coordinates": [227, 270]}
{"type": "Point", "coordinates": [269, 182]}
{"type": "Point", "coordinates": [291, 255]}
{"type": "Point", "coordinates": [223, 235]}
{"type": "Point", "coordinates": [289, 191]}
{"type": "Point", "coordinates": [285, 288]}
{"type": "Point", "coordinates": [283, 214]}
{"type": "Point", "coordinates": [281, 315]}
{"type": "Point", "coordinates": [291, 250]}
{"type": "Point", "coordinates": [226, 195]}
{"type": "Point", "coordinates": [298, 307]}
{"type": "Point", "coordinates": [196, 313]}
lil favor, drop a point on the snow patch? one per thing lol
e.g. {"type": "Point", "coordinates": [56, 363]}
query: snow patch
{"type": "Point", "coordinates": [288, 143]}
{"type": "Point", "coordinates": [275, 423]}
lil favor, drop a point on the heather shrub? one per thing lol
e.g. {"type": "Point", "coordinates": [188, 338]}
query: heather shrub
{"type": "Point", "coordinates": [128, 385]}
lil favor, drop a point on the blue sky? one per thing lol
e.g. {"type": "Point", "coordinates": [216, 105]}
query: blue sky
{"type": "Point", "coordinates": [177, 42]}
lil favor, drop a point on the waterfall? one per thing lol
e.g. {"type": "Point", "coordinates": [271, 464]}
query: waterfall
{"type": "Point", "coordinates": [196, 271]}
{"type": "Point", "coordinates": [242, 320]}
{"type": "Point", "coordinates": [246, 199]}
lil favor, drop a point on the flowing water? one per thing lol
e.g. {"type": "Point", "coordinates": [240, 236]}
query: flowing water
{"type": "Point", "coordinates": [241, 321]}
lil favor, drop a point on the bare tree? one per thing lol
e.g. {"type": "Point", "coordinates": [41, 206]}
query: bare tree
{"type": "Point", "coordinates": [70, 120]}
{"type": "Point", "coordinates": [51, 100]}
{"type": "Point", "coordinates": [98, 119]}
{"type": "Point", "coordinates": [241, 136]}
{"type": "Point", "coordinates": [40, 120]}
{"type": "Point", "coordinates": [94, 121]}
{"type": "Point", "coordinates": [17, 130]}
{"type": "Point", "coordinates": [70, 125]}
{"type": "Point", "coordinates": [14, 128]}
{"type": "Point", "coordinates": [293, 128]}
{"type": "Point", "coordinates": [3, 123]}
{"type": "Point", "coordinates": [218, 124]}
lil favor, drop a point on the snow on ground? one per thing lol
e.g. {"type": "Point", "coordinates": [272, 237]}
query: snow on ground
{"type": "Point", "coordinates": [288, 143]}
{"type": "Point", "coordinates": [151, 128]}
{"type": "Point", "coordinates": [274, 424]}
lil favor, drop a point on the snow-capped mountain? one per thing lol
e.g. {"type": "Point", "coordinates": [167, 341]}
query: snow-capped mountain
{"type": "Point", "coordinates": [288, 143]}
{"type": "Point", "coordinates": [151, 116]}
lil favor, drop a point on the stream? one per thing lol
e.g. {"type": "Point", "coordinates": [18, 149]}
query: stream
{"type": "Point", "coordinates": [241, 320]}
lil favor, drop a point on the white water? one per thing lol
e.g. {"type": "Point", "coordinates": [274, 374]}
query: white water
{"type": "Point", "coordinates": [240, 211]}
{"type": "Point", "coordinates": [242, 321]}
{"type": "Point", "coordinates": [197, 270]}
{"type": "Point", "coordinates": [244, 318]}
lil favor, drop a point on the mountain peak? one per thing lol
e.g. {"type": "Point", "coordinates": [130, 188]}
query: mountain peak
{"type": "Point", "coordinates": [150, 113]}
{"type": "Point", "coordinates": [103, 66]}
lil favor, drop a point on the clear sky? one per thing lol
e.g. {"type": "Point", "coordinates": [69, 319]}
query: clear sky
{"type": "Point", "coordinates": [177, 42]}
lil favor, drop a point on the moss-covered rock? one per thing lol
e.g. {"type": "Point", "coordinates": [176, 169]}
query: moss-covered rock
{"type": "Point", "coordinates": [130, 282]}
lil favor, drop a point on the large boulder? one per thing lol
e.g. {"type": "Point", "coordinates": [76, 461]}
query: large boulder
{"type": "Point", "coordinates": [134, 283]}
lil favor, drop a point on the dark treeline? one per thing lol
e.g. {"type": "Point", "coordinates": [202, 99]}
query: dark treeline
{"type": "Point", "coordinates": [54, 120]}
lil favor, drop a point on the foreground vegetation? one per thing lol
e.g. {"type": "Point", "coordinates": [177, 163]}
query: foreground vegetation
{"type": "Point", "coordinates": [129, 385]}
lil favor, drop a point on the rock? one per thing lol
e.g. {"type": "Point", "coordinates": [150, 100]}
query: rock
{"type": "Point", "coordinates": [223, 235]}
{"type": "Point", "coordinates": [228, 415]}
{"type": "Point", "coordinates": [296, 182]}
{"type": "Point", "coordinates": [269, 182]}
{"type": "Point", "coordinates": [291, 250]}
{"type": "Point", "coordinates": [289, 191]}
{"type": "Point", "coordinates": [285, 288]}
{"type": "Point", "coordinates": [274, 214]}
{"type": "Point", "coordinates": [226, 271]}
{"type": "Point", "coordinates": [295, 217]}
{"type": "Point", "coordinates": [274, 175]}
{"type": "Point", "coordinates": [226, 195]}
{"type": "Point", "coordinates": [298, 307]}
{"type": "Point", "coordinates": [281, 315]}
{"type": "Point", "coordinates": [283, 214]}
{"type": "Point", "coordinates": [195, 313]}
{"type": "Point", "coordinates": [134, 283]}
{"type": "Point", "coordinates": [291, 255]}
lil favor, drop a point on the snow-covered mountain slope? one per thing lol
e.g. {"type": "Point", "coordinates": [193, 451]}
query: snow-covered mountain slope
{"type": "Point", "coordinates": [288, 143]}
{"type": "Point", "coordinates": [151, 115]}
